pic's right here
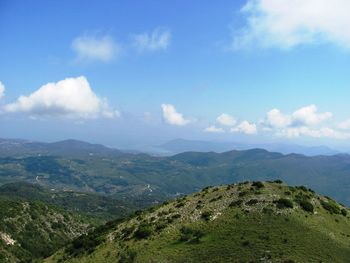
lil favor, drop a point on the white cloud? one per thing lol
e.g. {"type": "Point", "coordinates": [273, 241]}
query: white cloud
{"type": "Point", "coordinates": [345, 125]}
{"type": "Point", "coordinates": [245, 127]}
{"type": "Point", "coordinates": [306, 121]}
{"type": "Point", "coordinates": [309, 116]}
{"type": "Point", "coordinates": [214, 129]}
{"type": "Point", "coordinates": [226, 120]}
{"type": "Point", "coordinates": [94, 48]}
{"type": "Point", "coordinates": [277, 119]}
{"type": "Point", "coordinates": [71, 98]}
{"type": "Point", "coordinates": [305, 116]}
{"type": "Point", "coordinates": [171, 116]}
{"type": "Point", "coordinates": [158, 39]}
{"type": "Point", "coordinates": [2, 90]}
{"type": "Point", "coordinates": [288, 23]}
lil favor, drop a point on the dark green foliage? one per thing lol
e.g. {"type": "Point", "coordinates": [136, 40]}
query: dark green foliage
{"type": "Point", "coordinates": [344, 212]}
{"type": "Point", "coordinates": [278, 181]}
{"type": "Point", "coordinates": [243, 193]}
{"type": "Point", "coordinates": [258, 184]}
{"type": "Point", "coordinates": [252, 202]}
{"type": "Point", "coordinates": [236, 203]}
{"type": "Point", "coordinates": [206, 215]}
{"type": "Point", "coordinates": [302, 188]}
{"type": "Point", "coordinates": [143, 231]}
{"type": "Point", "coordinates": [127, 256]}
{"type": "Point", "coordinates": [330, 207]}
{"type": "Point", "coordinates": [188, 234]}
{"type": "Point", "coordinates": [284, 203]}
{"type": "Point", "coordinates": [306, 205]}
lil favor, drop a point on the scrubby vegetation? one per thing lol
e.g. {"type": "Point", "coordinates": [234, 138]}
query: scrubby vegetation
{"type": "Point", "coordinates": [268, 226]}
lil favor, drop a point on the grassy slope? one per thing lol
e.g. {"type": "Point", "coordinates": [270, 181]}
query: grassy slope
{"type": "Point", "coordinates": [253, 231]}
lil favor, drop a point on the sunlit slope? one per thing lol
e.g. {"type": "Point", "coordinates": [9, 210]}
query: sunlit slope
{"type": "Point", "coordinates": [248, 222]}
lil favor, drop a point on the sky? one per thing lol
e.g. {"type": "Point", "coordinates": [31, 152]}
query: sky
{"type": "Point", "coordinates": [133, 73]}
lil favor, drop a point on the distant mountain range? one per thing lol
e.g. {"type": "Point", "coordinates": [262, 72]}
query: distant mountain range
{"type": "Point", "coordinates": [181, 145]}
{"type": "Point", "coordinates": [69, 148]}
{"type": "Point", "coordinates": [145, 179]}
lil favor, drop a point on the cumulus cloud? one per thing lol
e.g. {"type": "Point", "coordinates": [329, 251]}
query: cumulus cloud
{"type": "Point", "coordinates": [305, 116]}
{"type": "Point", "coordinates": [309, 116]}
{"type": "Point", "coordinates": [71, 98]}
{"type": "Point", "coordinates": [214, 129]}
{"type": "Point", "coordinates": [245, 127]}
{"type": "Point", "coordinates": [94, 48]}
{"type": "Point", "coordinates": [277, 119]}
{"type": "Point", "coordinates": [306, 121]}
{"type": "Point", "coordinates": [288, 23]}
{"type": "Point", "coordinates": [171, 116]}
{"type": "Point", "coordinates": [158, 39]}
{"type": "Point", "coordinates": [226, 120]}
{"type": "Point", "coordinates": [2, 90]}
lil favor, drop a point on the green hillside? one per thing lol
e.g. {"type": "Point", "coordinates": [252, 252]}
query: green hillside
{"type": "Point", "coordinates": [100, 208]}
{"type": "Point", "coordinates": [33, 230]}
{"type": "Point", "coordinates": [248, 222]}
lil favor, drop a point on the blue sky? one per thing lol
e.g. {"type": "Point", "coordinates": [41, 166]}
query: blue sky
{"type": "Point", "coordinates": [127, 73]}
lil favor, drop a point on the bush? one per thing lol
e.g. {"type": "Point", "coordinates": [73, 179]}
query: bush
{"type": "Point", "coordinates": [206, 215]}
{"type": "Point", "coordinates": [190, 235]}
{"type": "Point", "coordinates": [330, 207]}
{"type": "Point", "coordinates": [344, 212]}
{"type": "Point", "coordinates": [278, 181]}
{"type": "Point", "coordinates": [306, 205]}
{"type": "Point", "coordinates": [236, 203]}
{"type": "Point", "coordinates": [302, 188]}
{"type": "Point", "coordinates": [252, 202]}
{"type": "Point", "coordinates": [258, 184]}
{"type": "Point", "coordinates": [143, 231]}
{"type": "Point", "coordinates": [243, 193]}
{"type": "Point", "coordinates": [128, 256]}
{"type": "Point", "coordinates": [284, 203]}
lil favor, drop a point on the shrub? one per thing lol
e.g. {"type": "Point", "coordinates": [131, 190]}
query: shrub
{"type": "Point", "coordinates": [180, 204]}
{"type": "Point", "coordinates": [302, 188]}
{"type": "Point", "coordinates": [278, 181]}
{"type": "Point", "coordinates": [243, 193]}
{"type": "Point", "coordinates": [330, 207]}
{"type": "Point", "coordinates": [236, 203]}
{"type": "Point", "coordinates": [160, 226]}
{"type": "Point", "coordinates": [127, 231]}
{"type": "Point", "coordinates": [344, 212]}
{"type": "Point", "coordinates": [206, 215]}
{"type": "Point", "coordinates": [252, 202]}
{"type": "Point", "coordinates": [284, 203]}
{"type": "Point", "coordinates": [190, 235]}
{"type": "Point", "coordinates": [176, 216]}
{"type": "Point", "coordinates": [143, 231]}
{"type": "Point", "coordinates": [306, 205]}
{"type": "Point", "coordinates": [258, 184]}
{"type": "Point", "coordinates": [128, 256]}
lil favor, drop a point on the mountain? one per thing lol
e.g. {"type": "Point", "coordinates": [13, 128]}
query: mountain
{"type": "Point", "coordinates": [181, 145]}
{"type": "Point", "coordinates": [144, 180]}
{"type": "Point", "coordinates": [246, 222]}
{"type": "Point", "coordinates": [71, 148]}
{"type": "Point", "coordinates": [33, 230]}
